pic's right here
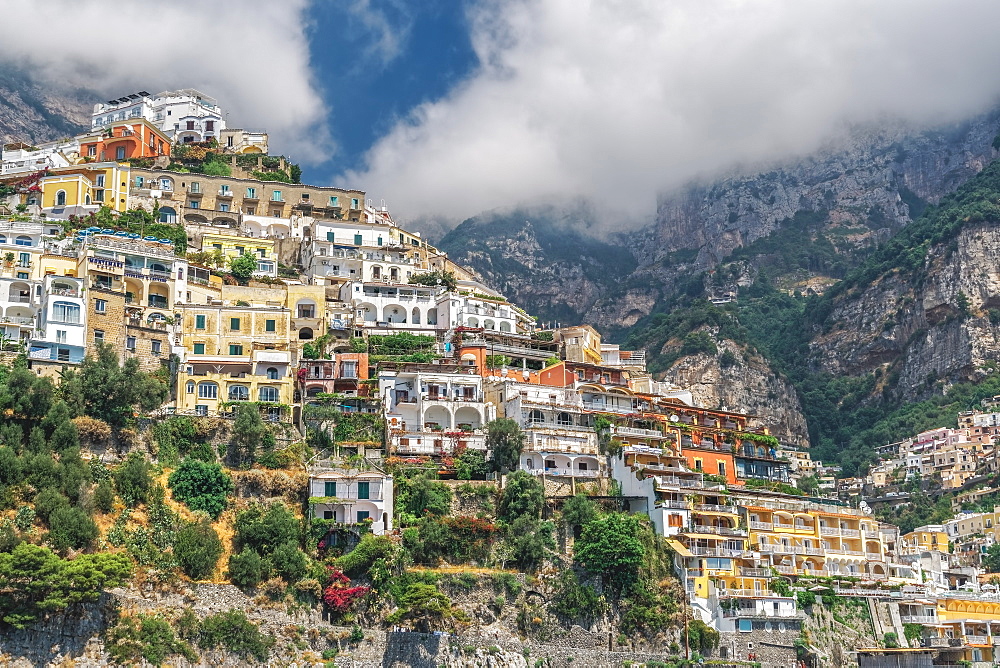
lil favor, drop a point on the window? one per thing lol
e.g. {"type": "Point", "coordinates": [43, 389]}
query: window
{"type": "Point", "coordinates": [241, 250]}
{"type": "Point", "coordinates": [92, 150]}
{"type": "Point", "coordinates": [194, 204]}
{"type": "Point", "coordinates": [272, 373]}
{"type": "Point", "coordinates": [224, 190]}
{"type": "Point", "coordinates": [270, 325]}
{"type": "Point", "coordinates": [229, 141]}
{"type": "Point", "coordinates": [201, 409]}
{"type": "Point", "coordinates": [199, 349]}
{"type": "Point", "coordinates": [217, 246]}
{"type": "Point", "coordinates": [234, 324]}
{"type": "Point", "coordinates": [239, 393]}
{"type": "Point", "coordinates": [722, 468]}
{"type": "Point", "coordinates": [223, 207]}
{"type": "Point", "coordinates": [251, 194]}
{"type": "Point", "coordinates": [195, 186]}
{"type": "Point", "coordinates": [208, 391]}
{"type": "Point", "coordinates": [698, 465]}
{"type": "Point", "coordinates": [155, 346]}
{"type": "Point", "coordinates": [235, 349]}
{"type": "Point", "coordinates": [209, 126]}
{"type": "Point", "coordinates": [66, 312]}
{"type": "Point", "coordinates": [139, 181]}
{"type": "Point", "coordinates": [276, 196]}
{"type": "Point", "coordinates": [305, 197]}
{"type": "Point", "coordinates": [62, 354]}
{"type": "Point", "coordinates": [130, 343]}
{"type": "Point", "coordinates": [120, 153]}
{"type": "Point", "coordinates": [262, 252]}
{"type": "Point", "coordinates": [189, 125]}
{"type": "Point", "coordinates": [334, 200]}
{"type": "Point", "coordinates": [265, 267]}
{"type": "Point", "coordinates": [362, 516]}
{"type": "Point", "coordinates": [98, 336]}
{"type": "Point", "coordinates": [357, 239]}
{"type": "Point", "coordinates": [350, 370]}
{"type": "Point", "coordinates": [199, 322]}
{"type": "Point", "coordinates": [190, 387]}
{"type": "Point", "coordinates": [328, 515]}
{"type": "Point", "coordinates": [354, 203]}
{"type": "Point", "coordinates": [61, 198]}
{"type": "Point", "coordinates": [101, 305]}
{"type": "Point", "coordinates": [269, 394]}
{"type": "Point", "coordinates": [363, 490]}
{"type": "Point", "coordinates": [330, 488]}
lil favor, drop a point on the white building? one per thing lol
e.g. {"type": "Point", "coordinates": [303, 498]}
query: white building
{"type": "Point", "coordinates": [432, 411]}
{"type": "Point", "coordinates": [62, 322]}
{"type": "Point", "coordinates": [353, 497]}
{"type": "Point", "coordinates": [392, 308]}
{"type": "Point", "coordinates": [20, 158]}
{"type": "Point", "coordinates": [185, 115]}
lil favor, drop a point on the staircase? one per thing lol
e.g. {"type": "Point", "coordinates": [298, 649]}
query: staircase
{"type": "Point", "coordinates": [886, 619]}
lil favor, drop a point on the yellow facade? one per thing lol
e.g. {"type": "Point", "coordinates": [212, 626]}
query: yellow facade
{"type": "Point", "coordinates": [93, 185]}
{"type": "Point", "coordinates": [926, 539]}
{"type": "Point", "coordinates": [236, 349]}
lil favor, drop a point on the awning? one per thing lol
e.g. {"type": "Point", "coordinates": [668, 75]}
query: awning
{"type": "Point", "coordinates": [707, 536]}
{"type": "Point", "coordinates": [679, 548]}
{"type": "Point", "coordinates": [715, 513]}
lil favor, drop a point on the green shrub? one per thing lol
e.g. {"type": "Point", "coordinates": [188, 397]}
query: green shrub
{"type": "Point", "coordinates": [197, 549]}
{"type": "Point", "coordinates": [289, 562]}
{"type": "Point", "coordinates": [148, 637]}
{"type": "Point", "coordinates": [201, 486]}
{"type": "Point", "coordinates": [71, 527]}
{"type": "Point", "coordinates": [133, 479]}
{"type": "Point", "coordinates": [236, 633]}
{"type": "Point", "coordinates": [573, 600]}
{"type": "Point", "coordinates": [247, 569]}
{"type": "Point", "coordinates": [104, 496]}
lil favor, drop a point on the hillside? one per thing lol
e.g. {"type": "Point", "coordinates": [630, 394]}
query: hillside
{"type": "Point", "coordinates": [33, 112]}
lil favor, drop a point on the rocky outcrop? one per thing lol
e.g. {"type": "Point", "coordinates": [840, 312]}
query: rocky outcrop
{"type": "Point", "coordinates": [879, 180]}
{"type": "Point", "coordinates": [922, 328]}
{"type": "Point", "coordinates": [32, 113]}
{"type": "Point", "coordinates": [747, 385]}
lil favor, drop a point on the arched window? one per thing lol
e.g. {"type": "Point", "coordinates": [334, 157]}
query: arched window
{"type": "Point", "coordinates": [536, 416]}
{"type": "Point", "coordinates": [61, 198]}
{"type": "Point", "coordinates": [3, 238]}
{"type": "Point", "coordinates": [23, 240]}
{"type": "Point", "coordinates": [272, 373]}
{"type": "Point", "coordinates": [239, 393]}
{"type": "Point", "coordinates": [190, 387]}
{"type": "Point", "coordinates": [66, 312]}
{"type": "Point", "coordinates": [86, 199]}
{"type": "Point", "coordinates": [269, 394]}
{"type": "Point", "coordinates": [564, 419]}
{"type": "Point", "coordinates": [208, 391]}
{"type": "Point", "coordinates": [306, 333]}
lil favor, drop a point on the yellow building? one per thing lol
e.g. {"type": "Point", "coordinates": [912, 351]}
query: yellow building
{"type": "Point", "coordinates": [928, 538]}
{"type": "Point", "coordinates": [82, 189]}
{"type": "Point", "coordinates": [233, 245]}
{"type": "Point", "coordinates": [237, 349]}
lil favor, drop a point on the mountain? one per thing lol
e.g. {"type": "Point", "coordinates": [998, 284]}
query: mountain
{"type": "Point", "coordinates": [34, 112]}
{"type": "Point", "coordinates": [767, 246]}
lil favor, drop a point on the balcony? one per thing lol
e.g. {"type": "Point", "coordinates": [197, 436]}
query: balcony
{"type": "Point", "coordinates": [568, 473]}
{"type": "Point", "coordinates": [634, 431]}
{"type": "Point", "coordinates": [977, 640]}
{"type": "Point", "coordinates": [20, 299]}
{"type": "Point", "coordinates": [714, 551]}
{"type": "Point", "coordinates": [829, 531]}
{"type": "Point", "coordinates": [850, 533]}
{"type": "Point", "coordinates": [761, 526]}
{"type": "Point", "coordinates": [755, 572]}
{"type": "Point", "coordinates": [15, 320]}
{"type": "Point", "coordinates": [711, 507]}
{"type": "Point", "coordinates": [156, 301]}
{"type": "Point", "coordinates": [722, 531]}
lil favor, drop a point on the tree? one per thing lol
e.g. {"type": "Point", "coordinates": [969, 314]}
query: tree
{"type": "Point", "coordinates": [610, 547]}
{"type": "Point", "coordinates": [289, 562]}
{"type": "Point", "coordinates": [71, 527]}
{"type": "Point", "coordinates": [425, 605]}
{"type": "Point", "coordinates": [578, 511]}
{"type": "Point", "coordinates": [523, 495]}
{"type": "Point", "coordinates": [243, 267]}
{"type": "Point", "coordinates": [35, 581]}
{"type": "Point", "coordinates": [991, 560]}
{"type": "Point", "coordinates": [109, 391]}
{"type": "Point", "coordinates": [104, 496]}
{"type": "Point", "coordinates": [236, 633]}
{"type": "Point", "coordinates": [247, 569]}
{"type": "Point", "coordinates": [197, 548]}
{"type": "Point", "coordinates": [133, 479]}
{"type": "Point", "coordinates": [505, 440]}
{"type": "Point", "coordinates": [201, 486]}
{"type": "Point", "coordinates": [249, 431]}
{"type": "Point", "coordinates": [422, 495]}
{"type": "Point", "coordinates": [574, 600]}
{"type": "Point", "coordinates": [808, 484]}
{"type": "Point", "coordinates": [265, 531]}
{"type": "Point", "coordinates": [471, 465]}
{"type": "Point", "coordinates": [531, 539]}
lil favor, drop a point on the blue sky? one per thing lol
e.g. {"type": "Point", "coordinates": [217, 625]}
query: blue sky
{"type": "Point", "coordinates": [372, 76]}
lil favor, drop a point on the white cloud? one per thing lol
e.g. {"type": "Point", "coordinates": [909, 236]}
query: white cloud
{"type": "Point", "coordinates": [617, 100]}
{"type": "Point", "coordinates": [251, 55]}
{"type": "Point", "coordinates": [387, 37]}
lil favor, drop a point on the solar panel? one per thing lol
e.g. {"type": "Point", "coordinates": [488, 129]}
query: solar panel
{"type": "Point", "coordinates": [144, 93]}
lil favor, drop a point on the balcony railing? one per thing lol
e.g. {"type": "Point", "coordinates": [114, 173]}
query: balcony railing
{"type": "Point", "coordinates": [564, 472]}
{"type": "Point", "coordinates": [976, 640]}
{"type": "Point", "coordinates": [715, 551]}
{"type": "Point", "coordinates": [711, 507]}
{"type": "Point", "coordinates": [755, 572]}
{"type": "Point", "coordinates": [761, 526]}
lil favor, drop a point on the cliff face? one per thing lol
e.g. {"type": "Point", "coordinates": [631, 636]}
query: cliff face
{"type": "Point", "coordinates": [938, 326]}
{"type": "Point", "coordinates": [32, 112]}
{"type": "Point", "coordinates": [886, 174]}
{"type": "Point", "coordinates": [747, 385]}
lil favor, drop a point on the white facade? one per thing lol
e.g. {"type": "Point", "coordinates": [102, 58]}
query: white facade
{"type": "Point", "coordinates": [431, 413]}
{"type": "Point", "coordinates": [18, 158]}
{"type": "Point", "coordinates": [459, 310]}
{"type": "Point", "coordinates": [353, 497]}
{"type": "Point", "coordinates": [394, 308]}
{"type": "Point", "coordinates": [62, 322]}
{"type": "Point", "coordinates": [185, 115]}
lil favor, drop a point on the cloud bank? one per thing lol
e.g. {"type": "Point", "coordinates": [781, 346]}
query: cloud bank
{"type": "Point", "coordinates": [618, 100]}
{"type": "Point", "coordinates": [251, 55]}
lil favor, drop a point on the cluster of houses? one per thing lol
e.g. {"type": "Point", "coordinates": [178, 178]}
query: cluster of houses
{"type": "Point", "coordinates": [335, 274]}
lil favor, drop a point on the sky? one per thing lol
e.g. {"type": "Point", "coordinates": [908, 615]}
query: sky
{"type": "Point", "coordinates": [446, 108]}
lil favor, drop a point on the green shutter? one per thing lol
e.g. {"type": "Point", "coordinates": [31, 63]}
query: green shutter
{"type": "Point", "coordinates": [199, 322]}
{"type": "Point", "coordinates": [357, 239]}
{"type": "Point", "coordinates": [270, 325]}
{"type": "Point", "coordinates": [234, 324]}
{"type": "Point", "coordinates": [199, 349]}
{"type": "Point", "coordinates": [363, 490]}
{"type": "Point", "coordinates": [330, 489]}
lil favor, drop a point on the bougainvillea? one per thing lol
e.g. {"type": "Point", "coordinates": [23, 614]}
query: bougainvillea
{"type": "Point", "coordinates": [338, 594]}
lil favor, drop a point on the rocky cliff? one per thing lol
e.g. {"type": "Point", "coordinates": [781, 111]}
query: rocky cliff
{"type": "Point", "coordinates": [745, 383]}
{"type": "Point", "coordinates": [33, 112]}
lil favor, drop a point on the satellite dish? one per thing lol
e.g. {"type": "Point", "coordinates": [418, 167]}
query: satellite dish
{"type": "Point", "coordinates": [674, 418]}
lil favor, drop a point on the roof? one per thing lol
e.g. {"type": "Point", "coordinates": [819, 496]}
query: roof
{"type": "Point", "coordinates": [679, 548]}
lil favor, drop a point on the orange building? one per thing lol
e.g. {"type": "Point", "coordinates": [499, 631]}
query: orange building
{"type": "Point", "coordinates": [714, 462]}
{"type": "Point", "coordinates": [132, 138]}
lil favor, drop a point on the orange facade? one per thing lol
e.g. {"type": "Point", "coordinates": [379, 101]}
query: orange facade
{"type": "Point", "coordinates": [135, 138]}
{"type": "Point", "coordinates": [715, 462]}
